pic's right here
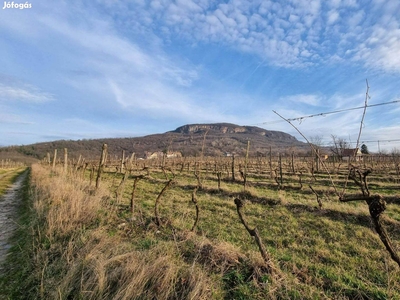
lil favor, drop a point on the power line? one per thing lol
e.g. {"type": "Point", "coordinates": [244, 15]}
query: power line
{"type": "Point", "coordinates": [373, 141]}
{"type": "Point", "coordinates": [329, 113]}
{"type": "Point", "coordinates": [328, 143]}
{"type": "Point", "coordinates": [389, 141]}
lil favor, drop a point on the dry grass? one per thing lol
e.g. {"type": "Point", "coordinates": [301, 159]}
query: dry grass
{"type": "Point", "coordinates": [80, 257]}
{"type": "Point", "coordinates": [107, 271]}
{"type": "Point", "coordinates": [89, 246]}
{"type": "Point", "coordinates": [65, 203]}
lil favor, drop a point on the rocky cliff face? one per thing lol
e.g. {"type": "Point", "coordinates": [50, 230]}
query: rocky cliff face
{"type": "Point", "coordinates": [217, 127]}
{"type": "Point", "coordinates": [227, 128]}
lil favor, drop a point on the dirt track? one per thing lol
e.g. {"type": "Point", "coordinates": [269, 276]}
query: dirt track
{"type": "Point", "coordinates": [9, 203]}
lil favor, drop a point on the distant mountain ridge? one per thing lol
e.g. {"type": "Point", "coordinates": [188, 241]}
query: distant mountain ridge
{"type": "Point", "coordinates": [232, 128]}
{"type": "Point", "coordinates": [219, 139]}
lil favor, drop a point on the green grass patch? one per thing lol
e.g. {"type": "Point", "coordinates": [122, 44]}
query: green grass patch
{"type": "Point", "coordinates": [8, 177]}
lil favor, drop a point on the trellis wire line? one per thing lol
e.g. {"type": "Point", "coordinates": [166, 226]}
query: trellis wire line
{"type": "Point", "coordinates": [330, 112]}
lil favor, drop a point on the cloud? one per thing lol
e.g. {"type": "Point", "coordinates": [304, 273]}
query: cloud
{"type": "Point", "coordinates": [105, 46]}
{"type": "Point", "coordinates": [14, 119]}
{"type": "Point", "coordinates": [120, 62]}
{"type": "Point", "coordinates": [141, 79]}
{"type": "Point", "coordinates": [25, 93]}
{"type": "Point", "coordinates": [312, 100]}
{"type": "Point", "coordinates": [290, 34]}
{"type": "Point", "coordinates": [333, 16]}
{"type": "Point", "coordinates": [381, 49]}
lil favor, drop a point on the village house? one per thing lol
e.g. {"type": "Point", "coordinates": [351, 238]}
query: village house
{"type": "Point", "coordinates": [352, 154]}
{"type": "Point", "coordinates": [160, 154]}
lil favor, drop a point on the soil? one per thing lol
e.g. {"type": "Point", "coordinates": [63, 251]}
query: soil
{"type": "Point", "coordinates": [9, 203]}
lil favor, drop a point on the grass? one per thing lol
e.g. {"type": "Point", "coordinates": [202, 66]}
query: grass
{"type": "Point", "coordinates": [17, 280]}
{"type": "Point", "coordinates": [85, 245]}
{"type": "Point", "coordinates": [8, 176]}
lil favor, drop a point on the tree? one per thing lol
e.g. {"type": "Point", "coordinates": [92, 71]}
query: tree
{"type": "Point", "coordinates": [316, 140]}
{"type": "Point", "coordinates": [395, 152]}
{"type": "Point", "coordinates": [364, 149]}
{"type": "Point", "coordinates": [338, 145]}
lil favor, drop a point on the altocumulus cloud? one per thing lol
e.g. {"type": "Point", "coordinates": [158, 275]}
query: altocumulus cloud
{"type": "Point", "coordinates": [286, 34]}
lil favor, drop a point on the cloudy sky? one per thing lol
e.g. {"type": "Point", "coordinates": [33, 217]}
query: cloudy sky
{"type": "Point", "coordinates": [109, 68]}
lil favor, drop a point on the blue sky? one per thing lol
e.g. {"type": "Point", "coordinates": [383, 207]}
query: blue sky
{"type": "Point", "coordinates": [92, 69]}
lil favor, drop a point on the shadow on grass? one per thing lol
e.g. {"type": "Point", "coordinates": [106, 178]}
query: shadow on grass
{"type": "Point", "coordinates": [223, 193]}
{"type": "Point", "coordinates": [334, 215]}
{"type": "Point", "coordinates": [392, 226]}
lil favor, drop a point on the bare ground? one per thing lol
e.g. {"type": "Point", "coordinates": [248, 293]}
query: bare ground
{"type": "Point", "coordinates": [9, 203]}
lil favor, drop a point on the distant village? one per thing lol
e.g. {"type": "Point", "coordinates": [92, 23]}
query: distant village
{"type": "Point", "coordinates": [345, 154]}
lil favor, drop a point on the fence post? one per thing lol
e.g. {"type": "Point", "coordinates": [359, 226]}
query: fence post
{"type": "Point", "coordinates": [233, 167]}
{"type": "Point", "coordinates": [54, 158]}
{"type": "Point", "coordinates": [280, 168]}
{"type": "Point", "coordinates": [293, 169]}
{"type": "Point", "coordinates": [101, 165]}
{"type": "Point", "coordinates": [122, 161]}
{"type": "Point", "coordinates": [270, 162]}
{"type": "Point", "coordinates": [65, 159]}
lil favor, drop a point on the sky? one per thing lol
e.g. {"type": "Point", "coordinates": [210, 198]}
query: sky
{"type": "Point", "coordinates": [107, 68]}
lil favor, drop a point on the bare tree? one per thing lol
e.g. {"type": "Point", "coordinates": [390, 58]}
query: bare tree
{"type": "Point", "coordinates": [395, 152]}
{"type": "Point", "coordinates": [338, 145]}
{"type": "Point", "coordinates": [316, 140]}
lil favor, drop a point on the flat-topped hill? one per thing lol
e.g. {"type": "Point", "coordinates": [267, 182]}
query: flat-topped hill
{"type": "Point", "coordinates": [217, 139]}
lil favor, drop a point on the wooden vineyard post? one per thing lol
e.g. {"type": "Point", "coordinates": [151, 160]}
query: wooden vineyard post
{"type": "Point", "coordinates": [233, 167]}
{"type": "Point", "coordinates": [101, 165]}
{"type": "Point", "coordinates": [280, 168]}
{"type": "Point", "coordinates": [122, 161]}
{"type": "Point", "coordinates": [219, 173]}
{"type": "Point", "coordinates": [65, 160]}
{"type": "Point", "coordinates": [245, 165]}
{"type": "Point", "coordinates": [92, 167]}
{"type": "Point", "coordinates": [270, 162]}
{"type": "Point", "coordinates": [131, 161]}
{"type": "Point", "coordinates": [293, 168]}
{"type": "Point", "coordinates": [54, 158]}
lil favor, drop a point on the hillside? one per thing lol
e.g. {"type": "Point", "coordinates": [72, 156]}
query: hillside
{"type": "Point", "coordinates": [219, 139]}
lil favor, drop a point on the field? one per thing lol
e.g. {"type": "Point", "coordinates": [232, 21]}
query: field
{"type": "Point", "coordinates": [172, 229]}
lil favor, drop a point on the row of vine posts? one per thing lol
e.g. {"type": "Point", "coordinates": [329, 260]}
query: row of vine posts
{"type": "Point", "coordinates": [284, 170]}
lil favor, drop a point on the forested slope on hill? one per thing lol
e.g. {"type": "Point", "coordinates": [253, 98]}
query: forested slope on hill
{"type": "Point", "coordinates": [217, 139]}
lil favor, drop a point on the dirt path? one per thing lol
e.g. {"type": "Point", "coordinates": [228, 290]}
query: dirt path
{"type": "Point", "coordinates": [9, 203]}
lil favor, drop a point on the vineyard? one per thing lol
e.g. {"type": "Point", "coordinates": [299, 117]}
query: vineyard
{"type": "Point", "coordinates": [266, 227]}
